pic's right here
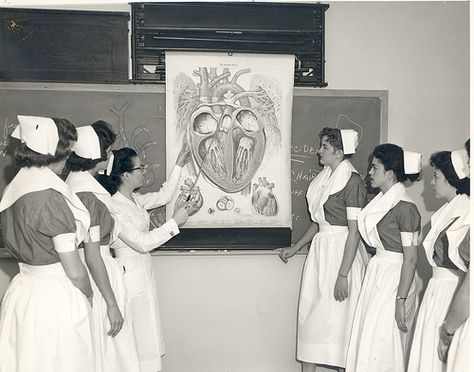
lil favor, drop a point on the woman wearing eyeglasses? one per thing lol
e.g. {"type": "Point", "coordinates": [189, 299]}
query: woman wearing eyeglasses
{"type": "Point", "coordinates": [135, 241]}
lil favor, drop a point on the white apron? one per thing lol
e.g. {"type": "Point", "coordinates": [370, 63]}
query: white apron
{"type": "Point", "coordinates": [459, 351]}
{"type": "Point", "coordinates": [323, 323]}
{"type": "Point", "coordinates": [35, 333]}
{"type": "Point", "coordinates": [376, 344]}
{"type": "Point", "coordinates": [119, 353]}
{"type": "Point", "coordinates": [438, 294]}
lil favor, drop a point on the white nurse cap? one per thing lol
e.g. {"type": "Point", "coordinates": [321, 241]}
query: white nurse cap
{"type": "Point", "coordinates": [459, 159]}
{"type": "Point", "coordinates": [40, 134]}
{"type": "Point", "coordinates": [350, 140]}
{"type": "Point", "coordinates": [88, 144]}
{"type": "Point", "coordinates": [411, 162]}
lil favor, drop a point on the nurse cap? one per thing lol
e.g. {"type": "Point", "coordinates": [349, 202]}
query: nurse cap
{"type": "Point", "coordinates": [459, 159]}
{"type": "Point", "coordinates": [350, 140]}
{"type": "Point", "coordinates": [88, 144]}
{"type": "Point", "coordinates": [411, 162]}
{"type": "Point", "coordinates": [40, 134]}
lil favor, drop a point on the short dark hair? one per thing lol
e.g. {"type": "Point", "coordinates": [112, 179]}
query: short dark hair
{"type": "Point", "coordinates": [106, 136]}
{"type": "Point", "coordinates": [67, 133]}
{"type": "Point", "coordinates": [391, 157]}
{"type": "Point", "coordinates": [442, 161]}
{"type": "Point", "coordinates": [123, 162]}
{"type": "Point", "coordinates": [334, 138]}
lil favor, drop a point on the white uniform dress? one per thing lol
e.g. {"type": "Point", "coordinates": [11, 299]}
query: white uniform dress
{"type": "Point", "coordinates": [441, 287]}
{"type": "Point", "coordinates": [132, 248]}
{"type": "Point", "coordinates": [459, 350]}
{"type": "Point", "coordinates": [45, 321]}
{"type": "Point", "coordinates": [119, 353]}
{"type": "Point", "coordinates": [323, 323]}
{"type": "Point", "coordinates": [387, 223]}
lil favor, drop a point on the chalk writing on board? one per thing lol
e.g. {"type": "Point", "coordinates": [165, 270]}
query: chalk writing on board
{"type": "Point", "coordinates": [141, 140]}
{"type": "Point", "coordinates": [7, 129]}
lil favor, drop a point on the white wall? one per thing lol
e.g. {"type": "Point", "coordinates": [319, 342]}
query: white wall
{"type": "Point", "coordinates": [238, 313]}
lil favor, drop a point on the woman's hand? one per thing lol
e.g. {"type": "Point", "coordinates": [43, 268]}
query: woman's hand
{"type": "Point", "coordinates": [184, 155]}
{"type": "Point", "coordinates": [115, 319]}
{"type": "Point", "coordinates": [287, 252]}
{"type": "Point", "coordinates": [341, 288]}
{"type": "Point", "coordinates": [190, 194]}
{"type": "Point", "coordinates": [181, 215]}
{"type": "Point", "coordinates": [400, 315]}
{"type": "Point", "coordinates": [445, 339]}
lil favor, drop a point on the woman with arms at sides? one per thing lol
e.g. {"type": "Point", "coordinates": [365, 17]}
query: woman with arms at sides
{"type": "Point", "coordinates": [113, 337]}
{"type": "Point", "coordinates": [135, 241]}
{"type": "Point", "coordinates": [452, 185]}
{"type": "Point", "coordinates": [334, 268]}
{"type": "Point", "coordinates": [45, 322]}
{"type": "Point", "coordinates": [454, 334]}
{"type": "Point", "coordinates": [388, 299]}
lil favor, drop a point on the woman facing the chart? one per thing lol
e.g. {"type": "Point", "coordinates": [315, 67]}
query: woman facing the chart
{"type": "Point", "coordinates": [135, 241]}
{"type": "Point", "coordinates": [45, 313]}
{"type": "Point", "coordinates": [450, 182]}
{"type": "Point", "coordinates": [388, 299]}
{"type": "Point", "coordinates": [334, 268]}
{"type": "Point", "coordinates": [114, 340]}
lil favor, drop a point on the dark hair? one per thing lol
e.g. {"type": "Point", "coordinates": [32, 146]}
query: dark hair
{"type": "Point", "coordinates": [442, 161]}
{"type": "Point", "coordinates": [67, 133]}
{"type": "Point", "coordinates": [391, 157]}
{"type": "Point", "coordinates": [334, 138]}
{"type": "Point", "coordinates": [467, 145]}
{"type": "Point", "coordinates": [106, 135]}
{"type": "Point", "coordinates": [123, 162]}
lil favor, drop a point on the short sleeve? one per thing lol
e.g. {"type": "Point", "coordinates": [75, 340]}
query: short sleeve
{"type": "Point", "coordinates": [355, 196]}
{"type": "Point", "coordinates": [56, 221]}
{"type": "Point", "coordinates": [409, 221]}
{"type": "Point", "coordinates": [101, 222]}
{"type": "Point", "coordinates": [464, 249]}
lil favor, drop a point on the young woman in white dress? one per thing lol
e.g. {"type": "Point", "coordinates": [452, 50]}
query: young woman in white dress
{"type": "Point", "coordinates": [135, 241]}
{"type": "Point", "coordinates": [334, 267]}
{"type": "Point", "coordinates": [453, 185]}
{"type": "Point", "coordinates": [45, 315]}
{"type": "Point", "coordinates": [114, 340]}
{"type": "Point", "coordinates": [388, 299]}
{"type": "Point", "coordinates": [454, 332]}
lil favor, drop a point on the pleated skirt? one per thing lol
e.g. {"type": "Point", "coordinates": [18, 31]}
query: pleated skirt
{"type": "Point", "coordinates": [376, 344]}
{"type": "Point", "coordinates": [433, 309]}
{"type": "Point", "coordinates": [324, 324]}
{"type": "Point", "coordinates": [45, 323]}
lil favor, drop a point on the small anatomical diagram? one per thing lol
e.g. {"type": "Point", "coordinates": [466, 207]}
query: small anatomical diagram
{"type": "Point", "coordinates": [191, 194]}
{"type": "Point", "coordinates": [264, 201]}
{"type": "Point", "coordinates": [225, 203]}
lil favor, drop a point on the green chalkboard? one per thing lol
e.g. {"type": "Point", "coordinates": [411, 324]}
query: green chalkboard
{"type": "Point", "coordinates": [138, 114]}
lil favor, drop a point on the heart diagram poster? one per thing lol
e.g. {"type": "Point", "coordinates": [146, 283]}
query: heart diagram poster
{"type": "Point", "coordinates": [233, 111]}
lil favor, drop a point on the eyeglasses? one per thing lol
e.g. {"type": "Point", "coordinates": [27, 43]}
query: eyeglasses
{"type": "Point", "coordinates": [142, 167]}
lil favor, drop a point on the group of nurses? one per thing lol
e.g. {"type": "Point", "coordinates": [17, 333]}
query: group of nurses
{"type": "Point", "coordinates": [362, 317]}
{"type": "Point", "coordinates": [73, 307]}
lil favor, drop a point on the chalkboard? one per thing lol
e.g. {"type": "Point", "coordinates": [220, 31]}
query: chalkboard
{"type": "Point", "coordinates": [137, 113]}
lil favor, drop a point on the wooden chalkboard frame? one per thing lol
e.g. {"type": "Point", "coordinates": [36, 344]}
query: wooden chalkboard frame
{"type": "Point", "coordinates": [234, 239]}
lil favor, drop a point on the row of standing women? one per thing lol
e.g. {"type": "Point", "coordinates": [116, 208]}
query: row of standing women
{"type": "Point", "coordinates": [359, 313]}
{"type": "Point", "coordinates": [73, 307]}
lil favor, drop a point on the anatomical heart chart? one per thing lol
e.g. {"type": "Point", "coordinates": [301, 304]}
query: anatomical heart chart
{"type": "Point", "coordinates": [234, 113]}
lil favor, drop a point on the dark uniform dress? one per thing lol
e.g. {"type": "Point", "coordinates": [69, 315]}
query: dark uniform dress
{"type": "Point", "coordinates": [440, 289]}
{"type": "Point", "coordinates": [388, 223]}
{"type": "Point", "coordinates": [119, 353]}
{"type": "Point", "coordinates": [44, 319]}
{"type": "Point", "coordinates": [323, 323]}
